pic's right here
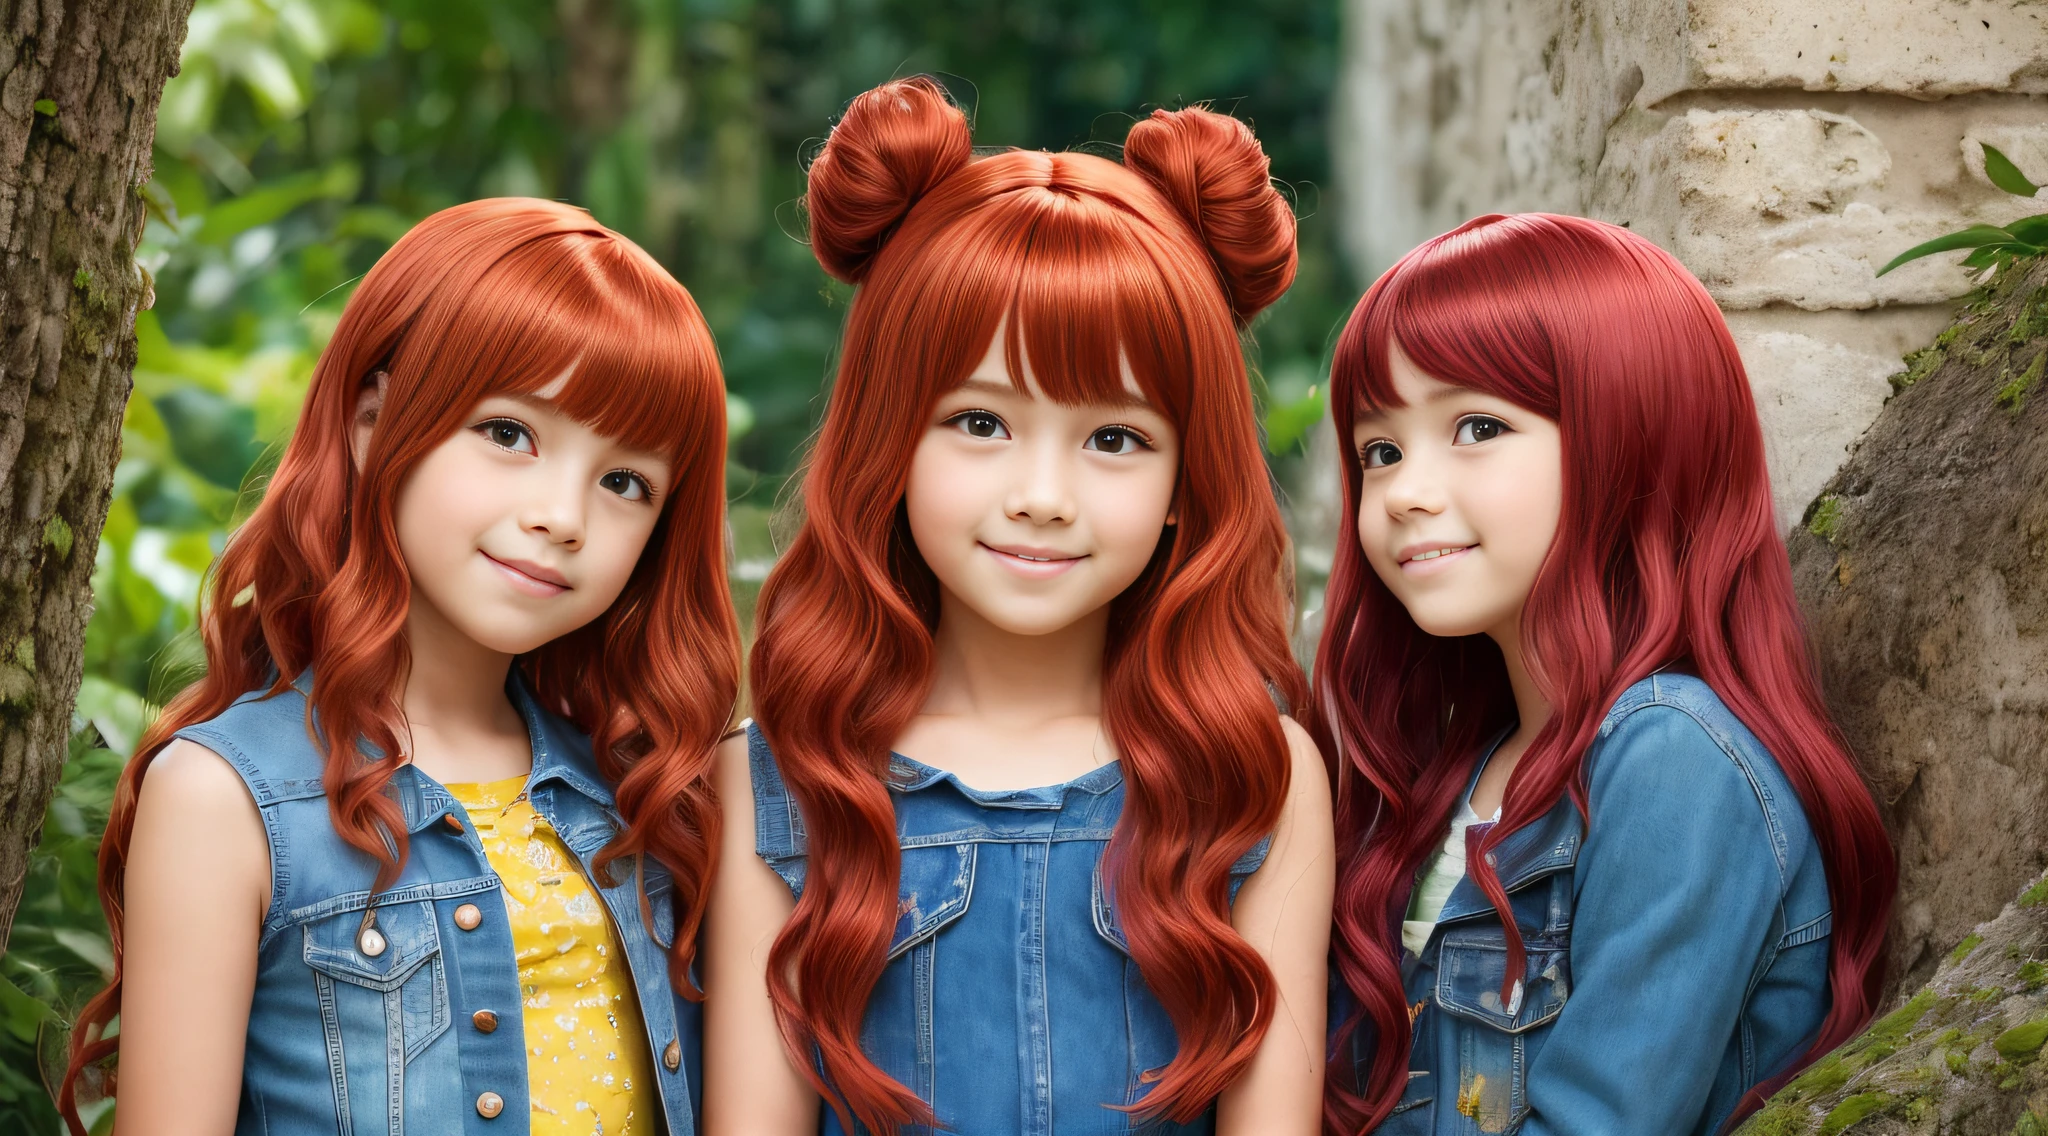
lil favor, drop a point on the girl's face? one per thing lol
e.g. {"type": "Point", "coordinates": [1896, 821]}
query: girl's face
{"type": "Point", "coordinates": [1458, 503]}
{"type": "Point", "coordinates": [1035, 514]}
{"type": "Point", "coordinates": [526, 524]}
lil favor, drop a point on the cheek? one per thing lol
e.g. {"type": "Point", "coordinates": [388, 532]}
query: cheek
{"type": "Point", "coordinates": [944, 497]}
{"type": "Point", "coordinates": [438, 508]}
{"type": "Point", "coordinates": [1521, 510]}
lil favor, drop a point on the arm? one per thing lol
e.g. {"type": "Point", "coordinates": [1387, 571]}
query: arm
{"type": "Point", "coordinates": [750, 1087]}
{"type": "Point", "coordinates": [1678, 887]}
{"type": "Point", "coordinates": [197, 886]}
{"type": "Point", "coordinates": [1283, 911]}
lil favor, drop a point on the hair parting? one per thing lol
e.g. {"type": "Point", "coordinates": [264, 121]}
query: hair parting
{"type": "Point", "coordinates": [1084, 265]}
{"type": "Point", "coordinates": [502, 296]}
{"type": "Point", "coordinates": [1603, 332]}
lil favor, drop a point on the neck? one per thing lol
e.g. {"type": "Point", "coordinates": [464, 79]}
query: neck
{"type": "Point", "coordinates": [1531, 707]}
{"type": "Point", "coordinates": [979, 668]}
{"type": "Point", "coordinates": [455, 684]}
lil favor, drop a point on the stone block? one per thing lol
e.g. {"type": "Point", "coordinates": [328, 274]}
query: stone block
{"type": "Point", "coordinates": [1924, 49]}
{"type": "Point", "coordinates": [1802, 207]}
{"type": "Point", "coordinates": [1815, 397]}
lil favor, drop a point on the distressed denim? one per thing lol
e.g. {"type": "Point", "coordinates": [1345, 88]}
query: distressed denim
{"type": "Point", "coordinates": [385, 1042]}
{"type": "Point", "coordinates": [1010, 1003]}
{"type": "Point", "coordinates": [1677, 949]}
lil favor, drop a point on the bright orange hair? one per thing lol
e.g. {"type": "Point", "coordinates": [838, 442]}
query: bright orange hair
{"type": "Point", "coordinates": [1159, 260]}
{"type": "Point", "coordinates": [492, 297]}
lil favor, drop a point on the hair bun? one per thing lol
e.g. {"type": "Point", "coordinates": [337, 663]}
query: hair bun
{"type": "Point", "coordinates": [1211, 168]}
{"type": "Point", "coordinates": [893, 144]}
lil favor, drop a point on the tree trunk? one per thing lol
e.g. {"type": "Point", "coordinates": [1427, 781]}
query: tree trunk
{"type": "Point", "coordinates": [79, 85]}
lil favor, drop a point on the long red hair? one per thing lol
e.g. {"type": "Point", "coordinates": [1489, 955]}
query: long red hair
{"type": "Point", "coordinates": [1666, 553]}
{"type": "Point", "coordinates": [1080, 259]}
{"type": "Point", "coordinates": [492, 297]}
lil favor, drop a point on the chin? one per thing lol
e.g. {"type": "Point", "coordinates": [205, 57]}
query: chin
{"type": "Point", "coordinates": [1452, 625]}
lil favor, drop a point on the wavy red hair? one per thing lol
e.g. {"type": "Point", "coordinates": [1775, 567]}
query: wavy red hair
{"type": "Point", "coordinates": [492, 297]}
{"type": "Point", "coordinates": [1666, 554]}
{"type": "Point", "coordinates": [1083, 261]}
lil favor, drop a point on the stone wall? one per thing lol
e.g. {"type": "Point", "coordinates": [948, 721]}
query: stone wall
{"type": "Point", "coordinates": [1782, 149]}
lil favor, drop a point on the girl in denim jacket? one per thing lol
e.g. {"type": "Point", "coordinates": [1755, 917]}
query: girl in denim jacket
{"type": "Point", "coordinates": [1021, 845]}
{"type": "Point", "coordinates": [1606, 867]}
{"type": "Point", "coordinates": [424, 849]}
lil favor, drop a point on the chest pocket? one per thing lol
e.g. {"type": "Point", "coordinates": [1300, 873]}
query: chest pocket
{"type": "Point", "coordinates": [1496, 1040]}
{"type": "Point", "coordinates": [383, 993]}
{"type": "Point", "coordinates": [934, 886]}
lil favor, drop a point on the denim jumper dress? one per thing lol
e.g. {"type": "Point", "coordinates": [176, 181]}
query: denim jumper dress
{"type": "Point", "coordinates": [415, 1025]}
{"type": "Point", "coordinates": [1010, 1003]}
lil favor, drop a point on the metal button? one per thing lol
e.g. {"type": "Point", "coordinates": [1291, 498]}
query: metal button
{"type": "Point", "coordinates": [453, 824]}
{"type": "Point", "coordinates": [489, 1105]}
{"type": "Point", "coordinates": [467, 917]}
{"type": "Point", "coordinates": [673, 1055]}
{"type": "Point", "coordinates": [371, 942]}
{"type": "Point", "coordinates": [484, 1020]}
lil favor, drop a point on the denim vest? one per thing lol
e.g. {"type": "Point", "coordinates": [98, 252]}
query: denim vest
{"type": "Point", "coordinates": [1677, 949]}
{"type": "Point", "coordinates": [393, 1033]}
{"type": "Point", "coordinates": [1010, 1003]}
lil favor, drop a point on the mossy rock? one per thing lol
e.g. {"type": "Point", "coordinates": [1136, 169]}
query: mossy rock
{"type": "Point", "coordinates": [1961, 1057]}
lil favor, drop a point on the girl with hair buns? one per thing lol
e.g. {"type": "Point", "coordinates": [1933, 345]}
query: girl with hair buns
{"type": "Point", "coordinates": [1020, 842]}
{"type": "Point", "coordinates": [426, 847]}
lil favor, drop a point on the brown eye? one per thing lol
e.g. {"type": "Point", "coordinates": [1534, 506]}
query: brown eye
{"type": "Point", "coordinates": [1116, 440]}
{"type": "Point", "coordinates": [627, 484]}
{"type": "Point", "coordinates": [1378, 454]}
{"type": "Point", "coordinates": [1478, 428]}
{"type": "Point", "coordinates": [979, 424]}
{"type": "Point", "coordinates": [508, 434]}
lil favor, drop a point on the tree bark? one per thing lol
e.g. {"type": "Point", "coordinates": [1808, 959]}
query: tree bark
{"type": "Point", "coordinates": [80, 81]}
{"type": "Point", "coordinates": [1920, 568]}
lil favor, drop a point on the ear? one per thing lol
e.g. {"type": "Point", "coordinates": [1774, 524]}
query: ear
{"type": "Point", "coordinates": [369, 404]}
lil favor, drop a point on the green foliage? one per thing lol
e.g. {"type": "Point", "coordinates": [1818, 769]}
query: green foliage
{"type": "Point", "coordinates": [1993, 248]}
{"type": "Point", "coordinates": [302, 137]}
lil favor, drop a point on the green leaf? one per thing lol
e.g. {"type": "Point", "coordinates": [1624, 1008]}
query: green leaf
{"type": "Point", "coordinates": [47, 106]}
{"type": "Point", "coordinates": [2033, 230]}
{"type": "Point", "coordinates": [271, 200]}
{"type": "Point", "coordinates": [1972, 237]}
{"type": "Point", "coordinates": [91, 948]}
{"type": "Point", "coordinates": [2004, 174]}
{"type": "Point", "coordinates": [1287, 423]}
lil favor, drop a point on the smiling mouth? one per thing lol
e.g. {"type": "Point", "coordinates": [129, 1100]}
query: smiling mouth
{"type": "Point", "coordinates": [1435, 553]}
{"type": "Point", "coordinates": [517, 574]}
{"type": "Point", "coordinates": [1034, 562]}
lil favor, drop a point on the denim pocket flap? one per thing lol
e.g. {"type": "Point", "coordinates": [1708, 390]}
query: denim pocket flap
{"type": "Point", "coordinates": [934, 886]}
{"type": "Point", "coordinates": [1468, 982]}
{"type": "Point", "coordinates": [405, 935]}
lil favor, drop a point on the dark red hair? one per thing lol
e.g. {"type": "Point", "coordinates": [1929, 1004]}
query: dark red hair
{"type": "Point", "coordinates": [1079, 258]}
{"type": "Point", "coordinates": [493, 297]}
{"type": "Point", "coordinates": [1666, 554]}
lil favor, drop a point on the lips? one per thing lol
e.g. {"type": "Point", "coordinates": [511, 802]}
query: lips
{"type": "Point", "coordinates": [1426, 551]}
{"type": "Point", "coordinates": [1033, 561]}
{"type": "Point", "coordinates": [529, 577]}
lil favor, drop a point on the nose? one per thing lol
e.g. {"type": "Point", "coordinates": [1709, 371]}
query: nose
{"type": "Point", "coordinates": [555, 507]}
{"type": "Point", "coordinates": [1043, 491]}
{"type": "Point", "coordinates": [1415, 487]}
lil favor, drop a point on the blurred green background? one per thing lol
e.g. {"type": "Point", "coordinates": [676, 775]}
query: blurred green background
{"type": "Point", "coordinates": [304, 136]}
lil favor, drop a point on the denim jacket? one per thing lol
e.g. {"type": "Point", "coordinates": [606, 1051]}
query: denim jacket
{"type": "Point", "coordinates": [393, 1033]}
{"type": "Point", "coordinates": [1677, 949]}
{"type": "Point", "coordinates": [1010, 1003]}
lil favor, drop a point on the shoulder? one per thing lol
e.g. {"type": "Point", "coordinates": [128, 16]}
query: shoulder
{"type": "Point", "coordinates": [189, 791]}
{"type": "Point", "coordinates": [1307, 775]}
{"type": "Point", "coordinates": [1672, 754]}
{"type": "Point", "coordinates": [263, 735]}
{"type": "Point", "coordinates": [1674, 728]}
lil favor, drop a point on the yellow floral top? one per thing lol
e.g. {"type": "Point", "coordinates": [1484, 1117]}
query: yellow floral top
{"type": "Point", "coordinates": [588, 1068]}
